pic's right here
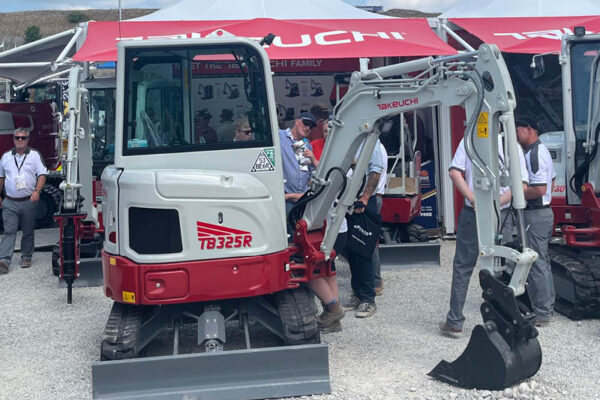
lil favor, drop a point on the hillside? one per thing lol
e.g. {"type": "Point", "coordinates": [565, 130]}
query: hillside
{"type": "Point", "coordinates": [13, 25]}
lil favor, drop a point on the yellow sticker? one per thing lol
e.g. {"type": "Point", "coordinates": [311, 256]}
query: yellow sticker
{"type": "Point", "coordinates": [113, 261]}
{"type": "Point", "coordinates": [482, 125]}
{"type": "Point", "coordinates": [128, 297]}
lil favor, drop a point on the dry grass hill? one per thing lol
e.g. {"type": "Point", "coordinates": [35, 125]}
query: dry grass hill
{"type": "Point", "coordinates": [13, 25]}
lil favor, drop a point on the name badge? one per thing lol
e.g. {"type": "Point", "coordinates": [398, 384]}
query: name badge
{"type": "Point", "coordinates": [21, 185]}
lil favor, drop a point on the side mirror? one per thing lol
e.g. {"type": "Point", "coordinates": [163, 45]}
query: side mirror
{"type": "Point", "coordinates": [537, 63]}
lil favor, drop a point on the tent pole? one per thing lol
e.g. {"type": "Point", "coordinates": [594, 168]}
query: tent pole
{"type": "Point", "coordinates": [456, 37]}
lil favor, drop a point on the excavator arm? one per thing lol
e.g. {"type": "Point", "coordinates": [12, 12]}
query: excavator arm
{"type": "Point", "coordinates": [479, 82]}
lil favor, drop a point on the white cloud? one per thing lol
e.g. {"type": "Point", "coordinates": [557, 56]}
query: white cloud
{"type": "Point", "coordinates": [421, 5]}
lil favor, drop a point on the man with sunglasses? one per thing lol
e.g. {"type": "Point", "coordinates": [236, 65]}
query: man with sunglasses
{"type": "Point", "coordinates": [539, 218]}
{"type": "Point", "coordinates": [243, 130]}
{"type": "Point", "coordinates": [295, 172]}
{"type": "Point", "coordinates": [22, 175]}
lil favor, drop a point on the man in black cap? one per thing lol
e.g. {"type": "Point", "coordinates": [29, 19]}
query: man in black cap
{"type": "Point", "coordinates": [203, 132]}
{"type": "Point", "coordinates": [539, 218]}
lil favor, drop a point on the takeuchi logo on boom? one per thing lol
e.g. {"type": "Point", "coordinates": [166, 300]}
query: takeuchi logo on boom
{"type": "Point", "coordinates": [398, 103]}
{"type": "Point", "coordinates": [327, 38]}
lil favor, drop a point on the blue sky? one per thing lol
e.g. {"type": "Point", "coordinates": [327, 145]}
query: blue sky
{"type": "Point", "coordinates": [23, 5]}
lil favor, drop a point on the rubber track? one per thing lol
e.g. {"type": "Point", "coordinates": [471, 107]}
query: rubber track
{"type": "Point", "coordinates": [416, 233]}
{"type": "Point", "coordinates": [56, 260]}
{"type": "Point", "coordinates": [297, 310]}
{"type": "Point", "coordinates": [584, 274]}
{"type": "Point", "coordinates": [122, 332]}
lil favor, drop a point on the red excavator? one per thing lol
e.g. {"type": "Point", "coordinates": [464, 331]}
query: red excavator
{"type": "Point", "coordinates": [575, 250]}
{"type": "Point", "coordinates": [196, 243]}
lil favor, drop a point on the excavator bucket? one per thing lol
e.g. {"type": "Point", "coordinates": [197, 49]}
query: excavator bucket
{"type": "Point", "coordinates": [407, 255]}
{"type": "Point", "coordinates": [504, 350]}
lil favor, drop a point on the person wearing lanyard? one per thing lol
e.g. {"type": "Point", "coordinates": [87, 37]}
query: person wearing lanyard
{"type": "Point", "coordinates": [539, 218]}
{"type": "Point", "coordinates": [22, 175]}
{"type": "Point", "coordinates": [467, 245]}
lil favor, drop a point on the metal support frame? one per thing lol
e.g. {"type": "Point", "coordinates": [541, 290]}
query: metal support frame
{"type": "Point", "coordinates": [36, 43]}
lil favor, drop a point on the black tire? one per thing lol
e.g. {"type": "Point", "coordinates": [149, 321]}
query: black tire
{"type": "Point", "coordinates": [410, 233]}
{"type": "Point", "coordinates": [56, 260]}
{"type": "Point", "coordinates": [298, 311]}
{"type": "Point", "coordinates": [416, 233]}
{"type": "Point", "coordinates": [49, 204]}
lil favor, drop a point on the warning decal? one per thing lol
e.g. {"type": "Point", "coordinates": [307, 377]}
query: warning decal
{"type": "Point", "coordinates": [482, 125]}
{"type": "Point", "coordinates": [263, 162]}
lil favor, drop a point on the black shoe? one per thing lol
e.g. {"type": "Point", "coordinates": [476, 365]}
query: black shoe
{"type": "Point", "coordinates": [352, 304]}
{"type": "Point", "coordinates": [365, 310]}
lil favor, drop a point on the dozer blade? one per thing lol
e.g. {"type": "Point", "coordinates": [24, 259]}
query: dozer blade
{"type": "Point", "coordinates": [90, 274]}
{"type": "Point", "coordinates": [489, 363]}
{"type": "Point", "coordinates": [238, 374]}
{"type": "Point", "coordinates": [504, 350]}
{"type": "Point", "coordinates": [409, 255]}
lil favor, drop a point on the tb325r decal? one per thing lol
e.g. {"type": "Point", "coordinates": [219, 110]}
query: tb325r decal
{"type": "Point", "coordinates": [221, 237]}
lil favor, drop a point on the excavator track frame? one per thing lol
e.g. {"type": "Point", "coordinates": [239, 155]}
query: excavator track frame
{"type": "Point", "coordinates": [299, 367]}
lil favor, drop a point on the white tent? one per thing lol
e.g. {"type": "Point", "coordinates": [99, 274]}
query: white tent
{"type": "Point", "coordinates": [224, 10]}
{"type": "Point", "coordinates": [522, 8]}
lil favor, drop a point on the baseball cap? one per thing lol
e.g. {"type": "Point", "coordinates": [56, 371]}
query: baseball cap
{"type": "Point", "coordinates": [308, 119]}
{"type": "Point", "coordinates": [527, 122]}
{"type": "Point", "coordinates": [320, 110]}
{"type": "Point", "coordinates": [204, 113]}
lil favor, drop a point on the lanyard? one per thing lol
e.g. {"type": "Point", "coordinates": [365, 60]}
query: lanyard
{"type": "Point", "coordinates": [22, 162]}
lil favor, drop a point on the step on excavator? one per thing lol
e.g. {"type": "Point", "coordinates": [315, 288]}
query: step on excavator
{"type": "Point", "coordinates": [196, 242]}
{"type": "Point", "coordinates": [574, 251]}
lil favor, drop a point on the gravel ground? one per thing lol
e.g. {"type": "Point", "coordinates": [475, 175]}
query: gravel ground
{"type": "Point", "coordinates": [47, 346]}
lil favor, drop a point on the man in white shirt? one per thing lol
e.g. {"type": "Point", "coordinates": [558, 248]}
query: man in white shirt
{"type": "Point", "coordinates": [467, 245]}
{"type": "Point", "coordinates": [22, 175]}
{"type": "Point", "coordinates": [539, 218]}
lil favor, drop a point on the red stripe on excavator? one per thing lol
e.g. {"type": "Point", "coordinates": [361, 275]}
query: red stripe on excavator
{"type": "Point", "coordinates": [213, 232]}
{"type": "Point", "coordinates": [221, 228]}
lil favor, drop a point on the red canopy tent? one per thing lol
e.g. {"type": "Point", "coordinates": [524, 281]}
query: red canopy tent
{"type": "Point", "coordinates": [534, 35]}
{"type": "Point", "coordinates": [295, 39]}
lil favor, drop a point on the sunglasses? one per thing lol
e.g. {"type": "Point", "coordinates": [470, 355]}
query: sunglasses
{"type": "Point", "coordinates": [21, 137]}
{"type": "Point", "coordinates": [308, 123]}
